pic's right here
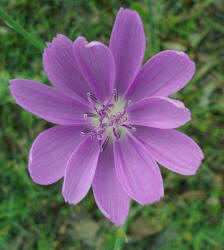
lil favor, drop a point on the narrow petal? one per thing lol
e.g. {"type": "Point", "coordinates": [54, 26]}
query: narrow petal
{"type": "Point", "coordinates": [127, 43]}
{"type": "Point", "coordinates": [138, 173]}
{"type": "Point", "coordinates": [158, 112]}
{"type": "Point", "coordinates": [109, 195]}
{"type": "Point", "coordinates": [62, 69]}
{"type": "Point", "coordinates": [162, 75]}
{"type": "Point", "coordinates": [80, 171]}
{"type": "Point", "coordinates": [47, 102]}
{"type": "Point", "coordinates": [97, 65]}
{"type": "Point", "coordinates": [51, 151]}
{"type": "Point", "coordinates": [172, 149]}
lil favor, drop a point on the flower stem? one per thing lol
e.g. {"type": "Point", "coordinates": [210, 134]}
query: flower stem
{"type": "Point", "coordinates": [120, 236]}
{"type": "Point", "coordinates": [17, 27]}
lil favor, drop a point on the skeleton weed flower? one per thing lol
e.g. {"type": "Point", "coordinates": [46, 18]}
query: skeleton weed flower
{"type": "Point", "coordinates": [115, 118]}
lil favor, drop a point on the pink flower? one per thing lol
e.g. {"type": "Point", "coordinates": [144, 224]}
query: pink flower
{"type": "Point", "coordinates": [115, 118]}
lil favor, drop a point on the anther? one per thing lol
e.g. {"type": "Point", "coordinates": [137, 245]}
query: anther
{"type": "Point", "coordinates": [91, 97]}
{"type": "Point", "coordinates": [86, 131]}
{"type": "Point", "coordinates": [129, 126]}
{"type": "Point", "coordinates": [116, 134]}
{"type": "Point", "coordinates": [89, 114]}
{"type": "Point", "coordinates": [116, 95]}
{"type": "Point", "coordinates": [87, 118]}
{"type": "Point", "coordinates": [104, 144]}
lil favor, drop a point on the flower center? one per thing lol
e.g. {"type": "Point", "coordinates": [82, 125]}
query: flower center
{"type": "Point", "coordinates": [108, 120]}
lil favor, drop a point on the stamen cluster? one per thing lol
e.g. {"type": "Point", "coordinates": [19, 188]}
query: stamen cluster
{"type": "Point", "coordinates": [106, 120]}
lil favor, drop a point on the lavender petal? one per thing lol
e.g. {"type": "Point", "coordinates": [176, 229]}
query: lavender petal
{"type": "Point", "coordinates": [162, 75]}
{"type": "Point", "coordinates": [172, 149]}
{"type": "Point", "coordinates": [80, 171]}
{"type": "Point", "coordinates": [97, 65]}
{"type": "Point", "coordinates": [127, 42]}
{"type": "Point", "coordinates": [158, 112]}
{"type": "Point", "coordinates": [109, 195]}
{"type": "Point", "coordinates": [137, 171]}
{"type": "Point", "coordinates": [62, 69]}
{"type": "Point", "coordinates": [47, 102]}
{"type": "Point", "coordinates": [50, 153]}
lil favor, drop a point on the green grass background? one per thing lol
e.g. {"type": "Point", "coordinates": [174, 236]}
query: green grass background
{"type": "Point", "coordinates": [191, 215]}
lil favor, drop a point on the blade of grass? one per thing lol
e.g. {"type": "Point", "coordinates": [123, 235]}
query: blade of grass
{"type": "Point", "coordinates": [206, 68]}
{"type": "Point", "coordinates": [154, 42]}
{"type": "Point", "coordinates": [18, 28]}
{"type": "Point", "coordinates": [213, 108]}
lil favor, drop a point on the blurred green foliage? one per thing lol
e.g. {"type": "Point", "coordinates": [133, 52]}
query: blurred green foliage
{"type": "Point", "coordinates": [191, 216]}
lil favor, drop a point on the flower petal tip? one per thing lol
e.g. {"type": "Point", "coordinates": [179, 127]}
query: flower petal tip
{"type": "Point", "coordinates": [123, 10]}
{"type": "Point", "coordinates": [183, 54]}
{"type": "Point", "coordinates": [56, 41]}
{"type": "Point", "coordinates": [151, 202]}
{"type": "Point", "coordinates": [14, 81]}
{"type": "Point", "coordinates": [117, 223]}
{"type": "Point", "coordinates": [60, 36]}
{"type": "Point", "coordinates": [81, 38]}
{"type": "Point", "coordinates": [92, 44]}
{"type": "Point", "coordinates": [11, 81]}
{"type": "Point", "coordinates": [193, 172]}
{"type": "Point", "coordinates": [202, 155]}
{"type": "Point", "coordinates": [48, 45]}
{"type": "Point", "coordinates": [37, 180]}
{"type": "Point", "coordinates": [66, 198]}
{"type": "Point", "coordinates": [128, 13]}
{"type": "Point", "coordinates": [188, 113]}
{"type": "Point", "coordinates": [68, 201]}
